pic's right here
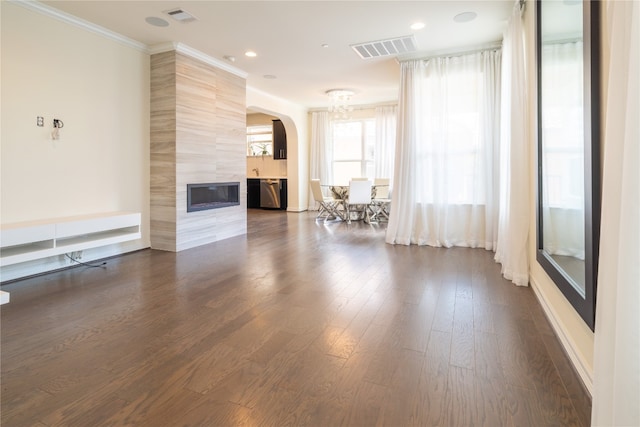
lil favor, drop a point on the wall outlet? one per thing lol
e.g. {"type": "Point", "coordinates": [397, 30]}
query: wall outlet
{"type": "Point", "coordinates": [75, 255]}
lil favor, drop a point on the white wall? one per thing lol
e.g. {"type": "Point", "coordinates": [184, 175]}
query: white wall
{"type": "Point", "coordinates": [99, 88]}
{"type": "Point", "coordinates": [294, 118]}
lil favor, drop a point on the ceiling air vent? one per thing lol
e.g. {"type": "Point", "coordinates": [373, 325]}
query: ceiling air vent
{"type": "Point", "coordinates": [386, 47]}
{"type": "Point", "coordinates": [180, 15]}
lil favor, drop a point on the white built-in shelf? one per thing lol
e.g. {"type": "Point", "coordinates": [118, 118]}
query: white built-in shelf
{"type": "Point", "coordinates": [31, 240]}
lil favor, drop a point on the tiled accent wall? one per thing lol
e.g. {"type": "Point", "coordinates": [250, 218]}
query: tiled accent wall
{"type": "Point", "coordinates": [198, 134]}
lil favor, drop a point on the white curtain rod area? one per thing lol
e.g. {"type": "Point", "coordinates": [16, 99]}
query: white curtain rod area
{"type": "Point", "coordinates": [449, 52]}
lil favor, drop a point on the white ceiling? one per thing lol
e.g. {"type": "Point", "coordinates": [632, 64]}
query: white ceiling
{"type": "Point", "coordinates": [288, 37]}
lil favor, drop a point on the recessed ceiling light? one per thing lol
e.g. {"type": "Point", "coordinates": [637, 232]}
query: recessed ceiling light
{"type": "Point", "coordinates": [230, 58]}
{"type": "Point", "coordinates": [250, 54]}
{"type": "Point", "coordinates": [465, 17]}
{"type": "Point", "coordinates": [156, 22]}
{"type": "Point", "coordinates": [324, 45]}
{"type": "Point", "coordinates": [269, 76]}
{"type": "Point", "coordinates": [417, 26]}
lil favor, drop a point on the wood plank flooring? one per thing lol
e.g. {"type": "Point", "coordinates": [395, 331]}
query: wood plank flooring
{"type": "Point", "coordinates": [299, 323]}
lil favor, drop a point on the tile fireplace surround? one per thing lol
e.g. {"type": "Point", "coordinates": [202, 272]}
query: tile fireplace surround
{"type": "Point", "coordinates": [198, 131]}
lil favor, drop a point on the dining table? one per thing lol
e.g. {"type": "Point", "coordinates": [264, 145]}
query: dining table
{"type": "Point", "coordinates": [341, 192]}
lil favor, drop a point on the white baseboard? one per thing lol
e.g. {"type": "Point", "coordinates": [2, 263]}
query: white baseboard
{"type": "Point", "coordinates": [567, 343]}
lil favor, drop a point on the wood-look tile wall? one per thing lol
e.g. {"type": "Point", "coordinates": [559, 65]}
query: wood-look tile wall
{"type": "Point", "coordinates": [198, 135]}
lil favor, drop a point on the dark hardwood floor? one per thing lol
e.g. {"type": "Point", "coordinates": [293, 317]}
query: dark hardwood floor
{"type": "Point", "coordinates": [298, 323]}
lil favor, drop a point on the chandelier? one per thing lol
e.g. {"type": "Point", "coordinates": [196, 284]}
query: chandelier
{"type": "Point", "coordinates": [340, 102]}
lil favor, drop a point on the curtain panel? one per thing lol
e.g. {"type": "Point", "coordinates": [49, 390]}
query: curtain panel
{"type": "Point", "coordinates": [321, 156]}
{"type": "Point", "coordinates": [447, 152]}
{"type": "Point", "coordinates": [386, 122]}
{"type": "Point", "coordinates": [513, 219]}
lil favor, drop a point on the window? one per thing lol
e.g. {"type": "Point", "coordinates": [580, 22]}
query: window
{"type": "Point", "coordinates": [260, 140]}
{"type": "Point", "coordinates": [353, 149]}
{"type": "Point", "coordinates": [453, 145]}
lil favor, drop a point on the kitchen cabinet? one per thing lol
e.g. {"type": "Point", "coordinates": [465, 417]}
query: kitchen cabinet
{"type": "Point", "coordinates": [253, 193]}
{"type": "Point", "coordinates": [279, 141]}
{"type": "Point", "coordinates": [283, 194]}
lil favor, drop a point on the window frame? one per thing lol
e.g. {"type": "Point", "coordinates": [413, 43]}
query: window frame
{"type": "Point", "coordinates": [365, 163]}
{"type": "Point", "coordinates": [253, 131]}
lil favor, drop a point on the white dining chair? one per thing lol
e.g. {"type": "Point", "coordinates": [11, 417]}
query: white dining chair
{"type": "Point", "coordinates": [359, 199]}
{"type": "Point", "coordinates": [381, 203]}
{"type": "Point", "coordinates": [328, 206]}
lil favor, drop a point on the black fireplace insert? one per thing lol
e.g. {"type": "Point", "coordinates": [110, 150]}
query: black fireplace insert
{"type": "Point", "coordinates": [213, 195]}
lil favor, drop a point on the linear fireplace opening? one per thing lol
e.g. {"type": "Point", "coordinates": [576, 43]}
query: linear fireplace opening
{"type": "Point", "coordinates": [212, 195]}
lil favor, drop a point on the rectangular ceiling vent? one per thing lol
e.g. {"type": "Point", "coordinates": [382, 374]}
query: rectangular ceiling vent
{"type": "Point", "coordinates": [181, 15]}
{"type": "Point", "coordinates": [376, 49]}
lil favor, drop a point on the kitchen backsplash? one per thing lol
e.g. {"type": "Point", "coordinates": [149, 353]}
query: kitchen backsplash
{"type": "Point", "coordinates": [266, 166]}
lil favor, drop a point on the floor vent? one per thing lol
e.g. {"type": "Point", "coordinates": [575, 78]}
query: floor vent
{"type": "Point", "coordinates": [386, 47]}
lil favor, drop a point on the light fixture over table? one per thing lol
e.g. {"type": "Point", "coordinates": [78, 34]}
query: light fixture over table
{"type": "Point", "coordinates": [340, 102]}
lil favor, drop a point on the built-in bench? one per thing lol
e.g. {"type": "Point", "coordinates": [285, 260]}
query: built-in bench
{"type": "Point", "coordinates": [31, 240]}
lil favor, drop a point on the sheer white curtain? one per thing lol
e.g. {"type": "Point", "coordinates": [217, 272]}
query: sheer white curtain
{"type": "Point", "coordinates": [617, 340]}
{"type": "Point", "coordinates": [399, 229]}
{"type": "Point", "coordinates": [321, 158]}
{"type": "Point", "coordinates": [563, 175]}
{"type": "Point", "coordinates": [446, 176]}
{"type": "Point", "coordinates": [513, 223]}
{"type": "Point", "coordinates": [386, 121]}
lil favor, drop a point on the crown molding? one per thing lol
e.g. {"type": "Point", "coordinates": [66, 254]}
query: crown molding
{"type": "Point", "coordinates": [196, 54]}
{"type": "Point", "coordinates": [80, 23]}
